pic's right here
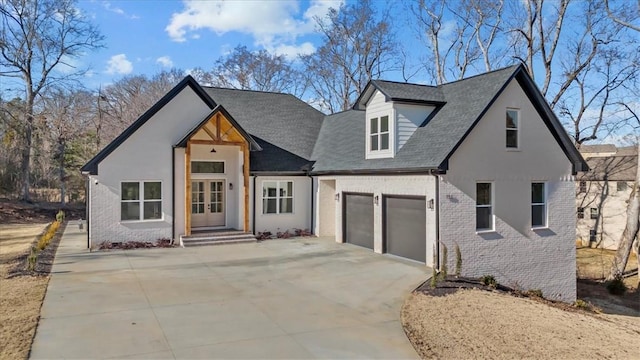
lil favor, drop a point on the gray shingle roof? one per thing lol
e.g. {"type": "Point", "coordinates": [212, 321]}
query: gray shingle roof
{"type": "Point", "coordinates": [279, 119]}
{"type": "Point", "coordinates": [614, 168]}
{"type": "Point", "coordinates": [341, 147]}
{"type": "Point", "coordinates": [412, 92]}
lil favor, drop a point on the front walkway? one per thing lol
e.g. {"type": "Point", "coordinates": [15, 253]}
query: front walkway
{"type": "Point", "coordinates": [300, 298]}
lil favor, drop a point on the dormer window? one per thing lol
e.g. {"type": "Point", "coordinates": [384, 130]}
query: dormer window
{"type": "Point", "coordinates": [379, 135]}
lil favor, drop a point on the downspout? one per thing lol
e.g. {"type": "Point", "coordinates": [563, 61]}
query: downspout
{"type": "Point", "coordinates": [437, 210]}
{"type": "Point", "coordinates": [313, 209]}
{"type": "Point", "coordinates": [253, 207]}
{"type": "Point", "coordinates": [87, 214]}
{"type": "Point", "coordinates": [173, 194]}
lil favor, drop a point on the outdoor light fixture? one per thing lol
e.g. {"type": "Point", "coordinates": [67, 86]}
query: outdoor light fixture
{"type": "Point", "coordinates": [431, 204]}
{"type": "Point", "coordinates": [337, 197]}
{"type": "Point", "coordinates": [376, 200]}
{"type": "Point", "coordinates": [230, 186]}
{"type": "Point", "coordinates": [213, 149]}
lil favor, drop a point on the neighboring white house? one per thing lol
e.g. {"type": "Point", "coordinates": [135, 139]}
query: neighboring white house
{"type": "Point", "coordinates": [482, 163]}
{"type": "Point", "coordinates": [603, 193]}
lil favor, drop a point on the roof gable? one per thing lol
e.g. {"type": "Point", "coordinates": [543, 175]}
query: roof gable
{"type": "Point", "coordinates": [232, 122]}
{"type": "Point", "coordinates": [431, 145]}
{"type": "Point", "coordinates": [91, 166]}
{"type": "Point", "coordinates": [400, 92]}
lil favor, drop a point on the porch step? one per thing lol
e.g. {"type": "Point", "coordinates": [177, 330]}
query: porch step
{"type": "Point", "coordinates": [216, 238]}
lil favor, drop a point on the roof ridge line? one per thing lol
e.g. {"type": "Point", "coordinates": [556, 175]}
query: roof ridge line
{"type": "Point", "coordinates": [482, 74]}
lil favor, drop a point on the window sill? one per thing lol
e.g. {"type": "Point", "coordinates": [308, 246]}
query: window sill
{"type": "Point", "coordinates": [514, 149]}
{"type": "Point", "coordinates": [271, 214]}
{"type": "Point", "coordinates": [485, 231]}
{"type": "Point", "coordinates": [539, 228]}
{"type": "Point", "coordinates": [141, 221]}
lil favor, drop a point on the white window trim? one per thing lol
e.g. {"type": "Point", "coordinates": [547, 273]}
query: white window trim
{"type": "Point", "coordinates": [381, 154]}
{"type": "Point", "coordinates": [546, 207]}
{"type": "Point", "coordinates": [492, 206]}
{"type": "Point", "coordinates": [293, 207]}
{"type": "Point", "coordinates": [141, 201]}
{"type": "Point", "coordinates": [518, 129]}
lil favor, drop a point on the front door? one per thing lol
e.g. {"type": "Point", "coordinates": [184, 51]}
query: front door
{"type": "Point", "coordinates": [207, 203]}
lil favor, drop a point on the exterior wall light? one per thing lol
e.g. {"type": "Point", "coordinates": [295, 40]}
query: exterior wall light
{"type": "Point", "coordinates": [376, 200]}
{"type": "Point", "coordinates": [337, 197]}
{"type": "Point", "coordinates": [230, 186]}
{"type": "Point", "coordinates": [431, 204]}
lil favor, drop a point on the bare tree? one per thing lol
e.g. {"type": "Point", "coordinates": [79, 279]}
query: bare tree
{"type": "Point", "coordinates": [358, 45]}
{"type": "Point", "coordinates": [626, 14]}
{"type": "Point", "coordinates": [257, 70]}
{"type": "Point", "coordinates": [38, 37]}
{"type": "Point", "coordinates": [67, 118]}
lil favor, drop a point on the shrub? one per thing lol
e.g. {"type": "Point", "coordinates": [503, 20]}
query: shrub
{"type": "Point", "coordinates": [302, 232]}
{"type": "Point", "coordinates": [283, 235]}
{"type": "Point", "coordinates": [616, 286]}
{"type": "Point", "coordinates": [581, 304]}
{"type": "Point", "coordinates": [32, 259]}
{"type": "Point", "coordinates": [458, 260]}
{"type": "Point", "coordinates": [265, 235]}
{"type": "Point", "coordinates": [445, 259]}
{"type": "Point", "coordinates": [60, 216]}
{"type": "Point", "coordinates": [434, 278]}
{"type": "Point", "coordinates": [489, 280]}
{"type": "Point", "coordinates": [535, 293]}
{"type": "Point", "coordinates": [45, 239]}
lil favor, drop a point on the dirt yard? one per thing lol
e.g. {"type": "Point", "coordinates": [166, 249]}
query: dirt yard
{"type": "Point", "coordinates": [21, 296]}
{"type": "Point", "coordinates": [481, 324]}
{"type": "Point", "coordinates": [474, 323]}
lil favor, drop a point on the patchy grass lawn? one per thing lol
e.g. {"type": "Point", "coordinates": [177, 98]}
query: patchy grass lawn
{"type": "Point", "coordinates": [21, 296]}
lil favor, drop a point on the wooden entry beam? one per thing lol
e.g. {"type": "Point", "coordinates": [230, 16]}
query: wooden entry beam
{"type": "Point", "coordinates": [187, 205]}
{"type": "Point", "coordinates": [245, 173]}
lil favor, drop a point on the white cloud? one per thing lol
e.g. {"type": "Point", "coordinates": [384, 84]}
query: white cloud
{"type": "Point", "coordinates": [118, 64]}
{"type": "Point", "coordinates": [165, 61]}
{"type": "Point", "coordinates": [272, 24]}
{"type": "Point", "coordinates": [291, 52]}
{"type": "Point", "coordinates": [68, 65]}
{"type": "Point", "coordinates": [107, 6]}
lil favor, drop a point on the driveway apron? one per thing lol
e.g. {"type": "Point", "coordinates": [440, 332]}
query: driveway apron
{"type": "Point", "coordinates": [293, 298]}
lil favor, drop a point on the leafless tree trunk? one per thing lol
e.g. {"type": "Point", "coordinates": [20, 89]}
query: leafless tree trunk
{"type": "Point", "coordinates": [37, 36]}
{"type": "Point", "coordinates": [631, 229]}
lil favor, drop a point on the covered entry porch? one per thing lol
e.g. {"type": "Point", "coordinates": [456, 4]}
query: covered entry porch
{"type": "Point", "coordinates": [211, 168]}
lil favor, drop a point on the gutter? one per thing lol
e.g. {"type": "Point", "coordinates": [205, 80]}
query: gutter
{"type": "Point", "coordinates": [313, 209]}
{"type": "Point", "coordinates": [399, 171]}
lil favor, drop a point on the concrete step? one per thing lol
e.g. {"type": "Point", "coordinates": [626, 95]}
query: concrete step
{"type": "Point", "coordinates": [217, 239]}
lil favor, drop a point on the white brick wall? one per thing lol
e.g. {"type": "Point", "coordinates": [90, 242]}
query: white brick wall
{"type": "Point", "coordinates": [415, 185]}
{"type": "Point", "coordinates": [105, 218]}
{"type": "Point", "coordinates": [531, 259]}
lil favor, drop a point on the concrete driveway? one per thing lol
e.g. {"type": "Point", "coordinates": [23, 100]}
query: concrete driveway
{"type": "Point", "coordinates": [302, 298]}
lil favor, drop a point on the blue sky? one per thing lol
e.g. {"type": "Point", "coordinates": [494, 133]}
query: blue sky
{"type": "Point", "coordinates": [143, 37]}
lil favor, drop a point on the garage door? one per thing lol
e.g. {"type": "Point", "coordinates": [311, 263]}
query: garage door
{"type": "Point", "coordinates": [405, 227]}
{"type": "Point", "coordinates": [357, 219]}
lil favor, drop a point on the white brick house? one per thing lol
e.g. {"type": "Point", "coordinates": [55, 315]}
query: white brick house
{"type": "Point", "coordinates": [602, 194]}
{"type": "Point", "coordinates": [482, 163]}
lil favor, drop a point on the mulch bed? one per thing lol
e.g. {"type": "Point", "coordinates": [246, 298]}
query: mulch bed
{"type": "Point", "coordinates": [451, 284]}
{"type": "Point", "coordinates": [45, 257]}
{"type": "Point", "coordinates": [129, 245]}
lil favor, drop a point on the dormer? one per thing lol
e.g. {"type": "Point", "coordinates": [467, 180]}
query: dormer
{"type": "Point", "coordinates": [393, 112]}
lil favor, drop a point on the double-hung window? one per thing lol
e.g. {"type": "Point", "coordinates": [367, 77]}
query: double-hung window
{"type": "Point", "coordinates": [538, 205]}
{"type": "Point", "coordinates": [594, 213]}
{"type": "Point", "coordinates": [484, 206]}
{"type": "Point", "coordinates": [379, 133]}
{"type": "Point", "coordinates": [580, 213]}
{"type": "Point", "coordinates": [140, 200]}
{"type": "Point", "coordinates": [277, 197]}
{"type": "Point", "coordinates": [512, 128]}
